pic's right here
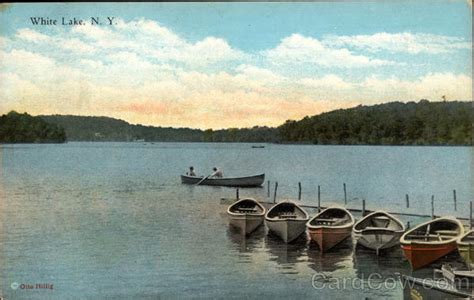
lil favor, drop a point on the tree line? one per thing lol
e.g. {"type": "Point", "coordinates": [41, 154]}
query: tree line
{"type": "Point", "coordinates": [23, 128]}
{"type": "Point", "coordinates": [395, 123]}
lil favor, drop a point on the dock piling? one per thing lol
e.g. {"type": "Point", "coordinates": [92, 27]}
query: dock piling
{"type": "Point", "coordinates": [299, 191]}
{"type": "Point", "coordinates": [275, 193]}
{"type": "Point", "coordinates": [363, 207]}
{"type": "Point", "coordinates": [268, 189]}
{"type": "Point", "coordinates": [454, 198]}
{"type": "Point", "coordinates": [470, 215]}
{"type": "Point", "coordinates": [432, 207]}
{"type": "Point", "coordinates": [345, 193]}
{"type": "Point", "coordinates": [319, 198]}
{"type": "Point", "coordinates": [237, 193]}
{"type": "Point", "coordinates": [408, 200]}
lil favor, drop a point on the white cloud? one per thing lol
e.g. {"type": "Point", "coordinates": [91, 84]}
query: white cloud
{"type": "Point", "coordinates": [300, 50]}
{"type": "Point", "coordinates": [31, 35]}
{"type": "Point", "coordinates": [413, 43]}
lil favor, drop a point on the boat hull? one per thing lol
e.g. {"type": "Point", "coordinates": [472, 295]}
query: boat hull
{"type": "Point", "coordinates": [245, 223]}
{"type": "Point", "coordinates": [467, 253]}
{"type": "Point", "coordinates": [377, 239]}
{"type": "Point", "coordinates": [287, 229]}
{"type": "Point", "coordinates": [420, 255]}
{"type": "Point", "coordinates": [326, 238]}
{"type": "Point", "coordinates": [249, 181]}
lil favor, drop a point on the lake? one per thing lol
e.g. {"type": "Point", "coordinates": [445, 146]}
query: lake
{"type": "Point", "coordinates": [112, 220]}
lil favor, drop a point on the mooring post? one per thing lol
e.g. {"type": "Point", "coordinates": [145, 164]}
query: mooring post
{"type": "Point", "coordinates": [319, 198]}
{"type": "Point", "coordinates": [432, 207]}
{"type": "Point", "coordinates": [454, 198]}
{"type": "Point", "coordinates": [275, 193]}
{"type": "Point", "coordinates": [408, 200]}
{"type": "Point", "coordinates": [470, 215]}
{"type": "Point", "coordinates": [345, 193]}
{"type": "Point", "coordinates": [268, 189]}
{"type": "Point", "coordinates": [363, 207]}
{"type": "Point", "coordinates": [408, 225]}
{"type": "Point", "coordinates": [237, 194]}
{"type": "Point", "coordinates": [299, 190]}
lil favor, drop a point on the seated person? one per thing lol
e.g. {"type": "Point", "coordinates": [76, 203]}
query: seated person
{"type": "Point", "coordinates": [191, 172]}
{"type": "Point", "coordinates": [217, 173]}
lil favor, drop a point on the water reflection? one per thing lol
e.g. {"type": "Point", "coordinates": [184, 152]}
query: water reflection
{"type": "Point", "coordinates": [387, 265]}
{"type": "Point", "coordinates": [283, 253]}
{"type": "Point", "coordinates": [340, 257]}
{"type": "Point", "coordinates": [246, 243]}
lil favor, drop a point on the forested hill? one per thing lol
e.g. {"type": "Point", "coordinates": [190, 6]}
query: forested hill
{"type": "Point", "coordinates": [396, 123]}
{"type": "Point", "coordinates": [23, 128]}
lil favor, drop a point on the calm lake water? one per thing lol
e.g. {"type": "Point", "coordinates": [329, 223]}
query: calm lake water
{"type": "Point", "coordinates": [112, 220]}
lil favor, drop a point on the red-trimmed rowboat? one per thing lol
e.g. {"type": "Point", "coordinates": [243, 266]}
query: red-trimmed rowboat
{"type": "Point", "coordinates": [330, 227]}
{"type": "Point", "coordinates": [431, 240]}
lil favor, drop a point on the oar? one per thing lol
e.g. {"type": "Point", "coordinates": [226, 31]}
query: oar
{"type": "Point", "coordinates": [205, 178]}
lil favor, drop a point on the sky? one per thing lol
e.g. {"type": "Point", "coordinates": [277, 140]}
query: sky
{"type": "Point", "coordinates": [222, 65]}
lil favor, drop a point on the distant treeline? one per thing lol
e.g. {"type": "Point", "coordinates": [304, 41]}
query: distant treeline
{"type": "Point", "coordinates": [23, 128]}
{"type": "Point", "coordinates": [396, 123]}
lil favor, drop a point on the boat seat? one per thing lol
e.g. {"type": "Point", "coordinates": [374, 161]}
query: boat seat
{"type": "Point", "coordinates": [447, 232]}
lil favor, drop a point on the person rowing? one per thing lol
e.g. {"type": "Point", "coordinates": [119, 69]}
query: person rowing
{"type": "Point", "coordinates": [217, 173]}
{"type": "Point", "coordinates": [191, 172]}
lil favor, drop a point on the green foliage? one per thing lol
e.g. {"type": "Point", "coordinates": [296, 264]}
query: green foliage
{"type": "Point", "coordinates": [396, 123]}
{"type": "Point", "coordinates": [23, 128]}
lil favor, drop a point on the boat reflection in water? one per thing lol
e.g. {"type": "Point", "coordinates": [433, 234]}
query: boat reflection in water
{"type": "Point", "coordinates": [247, 243]}
{"type": "Point", "coordinates": [330, 261]}
{"type": "Point", "coordinates": [285, 254]}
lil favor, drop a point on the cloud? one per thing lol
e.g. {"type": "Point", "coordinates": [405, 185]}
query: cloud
{"type": "Point", "coordinates": [300, 50]}
{"type": "Point", "coordinates": [32, 35]}
{"type": "Point", "coordinates": [412, 43]}
{"type": "Point", "coordinates": [143, 72]}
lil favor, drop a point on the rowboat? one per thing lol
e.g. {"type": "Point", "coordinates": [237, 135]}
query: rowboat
{"type": "Point", "coordinates": [431, 240]}
{"type": "Point", "coordinates": [246, 215]}
{"type": "Point", "coordinates": [378, 230]}
{"type": "Point", "coordinates": [466, 248]}
{"type": "Point", "coordinates": [330, 227]}
{"type": "Point", "coordinates": [287, 220]}
{"type": "Point", "coordinates": [248, 181]}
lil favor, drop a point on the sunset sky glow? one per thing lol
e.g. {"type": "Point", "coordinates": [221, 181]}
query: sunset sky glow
{"type": "Point", "coordinates": [220, 65]}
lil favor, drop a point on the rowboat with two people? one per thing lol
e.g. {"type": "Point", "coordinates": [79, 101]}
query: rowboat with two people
{"type": "Point", "coordinates": [247, 181]}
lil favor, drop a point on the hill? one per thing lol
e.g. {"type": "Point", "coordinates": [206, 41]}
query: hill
{"type": "Point", "coordinates": [395, 123]}
{"type": "Point", "coordinates": [23, 128]}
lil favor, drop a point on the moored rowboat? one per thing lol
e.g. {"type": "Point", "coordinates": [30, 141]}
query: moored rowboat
{"type": "Point", "coordinates": [431, 240]}
{"type": "Point", "coordinates": [246, 215]}
{"type": "Point", "coordinates": [287, 220]}
{"type": "Point", "coordinates": [248, 181]}
{"type": "Point", "coordinates": [378, 230]}
{"type": "Point", "coordinates": [466, 248]}
{"type": "Point", "coordinates": [330, 227]}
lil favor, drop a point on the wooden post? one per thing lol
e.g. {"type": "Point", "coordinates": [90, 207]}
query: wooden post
{"type": "Point", "coordinates": [345, 193]}
{"type": "Point", "coordinates": [454, 198]}
{"type": "Point", "coordinates": [408, 225]}
{"type": "Point", "coordinates": [268, 189]}
{"type": "Point", "coordinates": [363, 207]}
{"type": "Point", "coordinates": [408, 200]}
{"type": "Point", "coordinates": [432, 207]}
{"type": "Point", "coordinates": [299, 190]}
{"type": "Point", "coordinates": [275, 193]}
{"type": "Point", "coordinates": [470, 215]}
{"type": "Point", "coordinates": [319, 198]}
{"type": "Point", "coordinates": [237, 194]}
